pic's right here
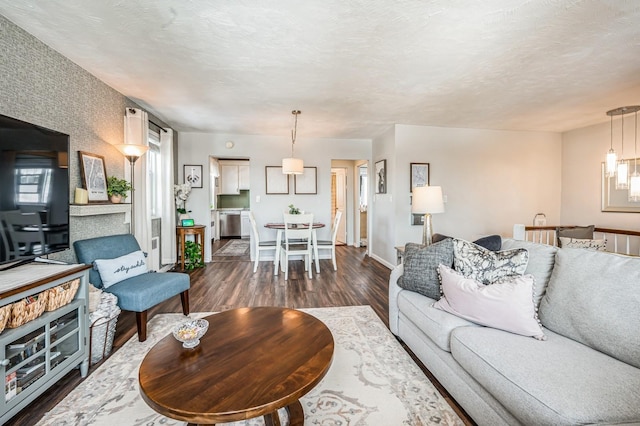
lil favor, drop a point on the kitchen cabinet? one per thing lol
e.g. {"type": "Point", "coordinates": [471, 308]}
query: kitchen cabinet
{"type": "Point", "coordinates": [35, 355]}
{"type": "Point", "coordinates": [245, 224]}
{"type": "Point", "coordinates": [234, 177]}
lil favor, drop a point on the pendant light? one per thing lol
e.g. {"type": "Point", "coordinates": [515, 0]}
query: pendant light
{"type": "Point", "coordinates": [634, 181]}
{"type": "Point", "coordinates": [622, 167]}
{"type": "Point", "coordinates": [611, 155]}
{"type": "Point", "coordinates": [292, 165]}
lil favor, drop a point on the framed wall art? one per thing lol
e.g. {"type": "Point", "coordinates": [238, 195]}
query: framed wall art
{"type": "Point", "coordinates": [276, 181]}
{"type": "Point", "coordinates": [192, 174]}
{"type": "Point", "coordinates": [94, 177]}
{"type": "Point", "coordinates": [419, 175]}
{"type": "Point", "coordinates": [617, 200]}
{"type": "Point", "coordinates": [381, 177]}
{"type": "Point", "coordinates": [306, 183]}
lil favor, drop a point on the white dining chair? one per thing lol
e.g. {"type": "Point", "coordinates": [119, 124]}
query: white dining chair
{"type": "Point", "coordinates": [297, 241]}
{"type": "Point", "coordinates": [260, 246]}
{"type": "Point", "coordinates": [331, 244]}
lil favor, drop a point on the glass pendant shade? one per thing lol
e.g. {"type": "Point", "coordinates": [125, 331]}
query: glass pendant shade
{"type": "Point", "coordinates": [634, 187]}
{"type": "Point", "coordinates": [292, 166]}
{"type": "Point", "coordinates": [622, 175]}
{"type": "Point", "coordinates": [612, 160]}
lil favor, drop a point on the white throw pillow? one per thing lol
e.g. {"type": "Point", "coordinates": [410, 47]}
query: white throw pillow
{"type": "Point", "coordinates": [113, 271]}
{"type": "Point", "coordinates": [567, 242]}
{"type": "Point", "coordinates": [506, 304]}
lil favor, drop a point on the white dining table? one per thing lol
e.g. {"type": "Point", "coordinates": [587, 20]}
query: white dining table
{"type": "Point", "coordinates": [279, 227]}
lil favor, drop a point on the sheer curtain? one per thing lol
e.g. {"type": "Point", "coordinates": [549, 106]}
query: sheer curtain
{"type": "Point", "coordinates": [136, 131]}
{"type": "Point", "coordinates": [168, 227]}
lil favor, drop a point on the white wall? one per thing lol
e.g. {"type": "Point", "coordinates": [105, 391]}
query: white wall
{"type": "Point", "coordinates": [381, 214]}
{"type": "Point", "coordinates": [195, 148]}
{"type": "Point", "coordinates": [492, 179]}
{"type": "Point", "coordinates": [583, 151]}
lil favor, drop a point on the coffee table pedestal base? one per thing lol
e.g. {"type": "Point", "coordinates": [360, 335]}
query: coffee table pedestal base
{"type": "Point", "coordinates": [296, 416]}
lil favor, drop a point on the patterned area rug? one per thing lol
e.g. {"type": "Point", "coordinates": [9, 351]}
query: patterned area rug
{"type": "Point", "coordinates": [234, 248]}
{"type": "Point", "coordinates": [372, 381]}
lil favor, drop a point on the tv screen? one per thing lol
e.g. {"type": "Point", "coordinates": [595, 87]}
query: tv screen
{"type": "Point", "coordinates": [34, 191]}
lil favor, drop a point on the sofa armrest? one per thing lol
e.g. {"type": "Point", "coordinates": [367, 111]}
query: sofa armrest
{"type": "Point", "coordinates": [394, 291]}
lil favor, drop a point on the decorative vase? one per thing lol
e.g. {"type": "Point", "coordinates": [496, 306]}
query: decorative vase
{"type": "Point", "coordinates": [184, 216]}
{"type": "Point", "coordinates": [116, 199]}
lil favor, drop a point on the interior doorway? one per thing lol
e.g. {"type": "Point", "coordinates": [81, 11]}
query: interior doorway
{"type": "Point", "coordinates": [339, 201]}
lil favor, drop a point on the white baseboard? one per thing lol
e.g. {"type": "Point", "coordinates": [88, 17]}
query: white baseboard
{"type": "Point", "coordinates": [381, 260]}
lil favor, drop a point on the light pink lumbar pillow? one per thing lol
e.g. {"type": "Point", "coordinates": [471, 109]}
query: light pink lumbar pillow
{"type": "Point", "coordinates": [506, 305]}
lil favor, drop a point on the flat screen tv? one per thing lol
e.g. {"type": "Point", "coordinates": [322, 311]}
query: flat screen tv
{"type": "Point", "coordinates": [34, 191]}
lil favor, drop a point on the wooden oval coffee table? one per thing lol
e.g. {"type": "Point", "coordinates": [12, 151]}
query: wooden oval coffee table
{"type": "Point", "coordinates": [251, 362]}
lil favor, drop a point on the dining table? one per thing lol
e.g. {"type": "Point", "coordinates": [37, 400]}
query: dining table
{"type": "Point", "coordinates": [279, 227]}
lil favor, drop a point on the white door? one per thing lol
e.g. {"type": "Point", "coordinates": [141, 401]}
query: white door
{"type": "Point", "coordinates": [341, 203]}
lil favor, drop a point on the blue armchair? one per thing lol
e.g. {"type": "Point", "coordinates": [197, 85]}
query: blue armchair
{"type": "Point", "coordinates": [138, 293]}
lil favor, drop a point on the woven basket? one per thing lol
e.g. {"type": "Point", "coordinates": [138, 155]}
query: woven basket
{"type": "Point", "coordinates": [62, 294]}
{"type": "Point", "coordinates": [27, 309]}
{"type": "Point", "coordinates": [5, 311]}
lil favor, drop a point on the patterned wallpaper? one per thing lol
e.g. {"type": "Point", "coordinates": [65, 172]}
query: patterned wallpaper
{"type": "Point", "coordinates": [41, 86]}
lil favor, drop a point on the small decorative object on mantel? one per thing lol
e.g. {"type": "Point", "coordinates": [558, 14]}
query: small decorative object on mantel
{"type": "Point", "coordinates": [117, 189]}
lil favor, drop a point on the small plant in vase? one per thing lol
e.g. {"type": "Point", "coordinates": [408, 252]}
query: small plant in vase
{"type": "Point", "coordinates": [117, 189]}
{"type": "Point", "coordinates": [293, 209]}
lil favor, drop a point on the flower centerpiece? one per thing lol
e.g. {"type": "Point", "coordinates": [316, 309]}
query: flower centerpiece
{"type": "Point", "coordinates": [181, 194]}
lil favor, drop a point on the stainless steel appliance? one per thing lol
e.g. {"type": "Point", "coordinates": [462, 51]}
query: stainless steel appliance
{"type": "Point", "coordinates": [230, 225]}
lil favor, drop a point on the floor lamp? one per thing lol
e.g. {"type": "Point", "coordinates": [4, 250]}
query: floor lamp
{"type": "Point", "coordinates": [427, 200]}
{"type": "Point", "coordinates": [132, 152]}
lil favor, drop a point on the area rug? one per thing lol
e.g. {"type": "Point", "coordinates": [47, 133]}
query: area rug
{"type": "Point", "coordinates": [372, 381]}
{"type": "Point", "coordinates": [234, 248]}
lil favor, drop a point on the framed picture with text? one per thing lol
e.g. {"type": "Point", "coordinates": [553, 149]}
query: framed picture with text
{"type": "Point", "coordinates": [419, 175]}
{"type": "Point", "coordinates": [94, 177]}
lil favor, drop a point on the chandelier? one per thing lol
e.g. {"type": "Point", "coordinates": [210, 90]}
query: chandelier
{"type": "Point", "coordinates": [619, 169]}
{"type": "Point", "coordinates": [292, 165]}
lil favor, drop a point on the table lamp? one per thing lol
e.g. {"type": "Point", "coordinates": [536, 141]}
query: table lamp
{"type": "Point", "coordinates": [427, 200]}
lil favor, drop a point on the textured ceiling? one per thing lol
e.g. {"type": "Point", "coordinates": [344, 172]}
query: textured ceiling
{"type": "Point", "coordinates": [354, 67]}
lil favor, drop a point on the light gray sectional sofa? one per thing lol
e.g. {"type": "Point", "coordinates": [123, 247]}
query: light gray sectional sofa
{"type": "Point", "coordinates": [586, 372]}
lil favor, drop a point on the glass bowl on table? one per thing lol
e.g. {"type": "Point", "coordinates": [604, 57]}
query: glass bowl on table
{"type": "Point", "coordinates": [190, 332]}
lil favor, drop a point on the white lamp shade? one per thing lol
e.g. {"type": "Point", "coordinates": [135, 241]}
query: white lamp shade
{"type": "Point", "coordinates": [132, 150]}
{"type": "Point", "coordinates": [427, 199]}
{"type": "Point", "coordinates": [612, 160]}
{"type": "Point", "coordinates": [292, 166]}
{"type": "Point", "coordinates": [634, 188]}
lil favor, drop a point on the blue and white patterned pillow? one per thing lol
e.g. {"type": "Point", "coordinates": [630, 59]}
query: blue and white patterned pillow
{"type": "Point", "coordinates": [486, 266]}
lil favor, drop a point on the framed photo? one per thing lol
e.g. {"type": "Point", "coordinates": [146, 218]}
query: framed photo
{"type": "Point", "coordinates": [276, 181]}
{"type": "Point", "coordinates": [381, 177]}
{"type": "Point", "coordinates": [306, 183]}
{"type": "Point", "coordinates": [193, 175]}
{"type": "Point", "coordinates": [94, 177]}
{"type": "Point", "coordinates": [419, 175]}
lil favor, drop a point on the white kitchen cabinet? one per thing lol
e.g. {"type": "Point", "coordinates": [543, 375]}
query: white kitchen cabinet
{"type": "Point", "coordinates": [245, 224]}
{"type": "Point", "coordinates": [234, 176]}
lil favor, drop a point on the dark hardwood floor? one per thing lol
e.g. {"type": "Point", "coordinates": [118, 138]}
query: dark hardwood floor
{"type": "Point", "coordinates": [229, 282]}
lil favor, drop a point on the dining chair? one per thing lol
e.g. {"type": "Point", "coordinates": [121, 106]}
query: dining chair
{"type": "Point", "coordinates": [260, 245]}
{"type": "Point", "coordinates": [25, 232]}
{"type": "Point", "coordinates": [297, 241]}
{"type": "Point", "coordinates": [331, 244]}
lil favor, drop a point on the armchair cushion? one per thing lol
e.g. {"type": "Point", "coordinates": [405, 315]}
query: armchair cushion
{"type": "Point", "coordinates": [112, 271]}
{"type": "Point", "coordinates": [140, 293]}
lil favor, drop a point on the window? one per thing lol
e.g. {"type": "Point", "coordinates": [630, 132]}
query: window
{"type": "Point", "coordinates": [33, 185]}
{"type": "Point", "coordinates": [154, 170]}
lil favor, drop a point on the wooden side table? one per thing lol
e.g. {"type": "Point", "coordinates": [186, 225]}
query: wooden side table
{"type": "Point", "coordinates": [181, 232]}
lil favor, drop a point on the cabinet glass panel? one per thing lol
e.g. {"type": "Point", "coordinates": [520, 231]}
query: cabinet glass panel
{"type": "Point", "coordinates": [24, 348]}
{"type": "Point", "coordinates": [64, 338]}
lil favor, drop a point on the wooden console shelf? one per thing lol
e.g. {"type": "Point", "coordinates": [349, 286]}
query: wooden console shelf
{"type": "Point", "coordinates": [37, 354]}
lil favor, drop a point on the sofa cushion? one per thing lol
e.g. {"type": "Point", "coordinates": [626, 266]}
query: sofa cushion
{"type": "Point", "coordinates": [594, 297]}
{"type": "Point", "coordinates": [490, 242]}
{"type": "Point", "coordinates": [542, 257]}
{"type": "Point", "coordinates": [506, 304]}
{"type": "Point", "coordinates": [113, 271]}
{"type": "Point", "coordinates": [558, 381]}
{"type": "Point", "coordinates": [435, 323]}
{"type": "Point", "coordinates": [487, 266]}
{"type": "Point", "coordinates": [581, 232]}
{"type": "Point", "coordinates": [140, 293]}
{"type": "Point", "coordinates": [420, 267]}
{"type": "Point", "coordinates": [567, 242]}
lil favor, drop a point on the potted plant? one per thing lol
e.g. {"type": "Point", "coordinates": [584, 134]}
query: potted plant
{"type": "Point", "coordinates": [192, 255]}
{"type": "Point", "coordinates": [117, 189]}
{"type": "Point", "coordinates": [293, 209]}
